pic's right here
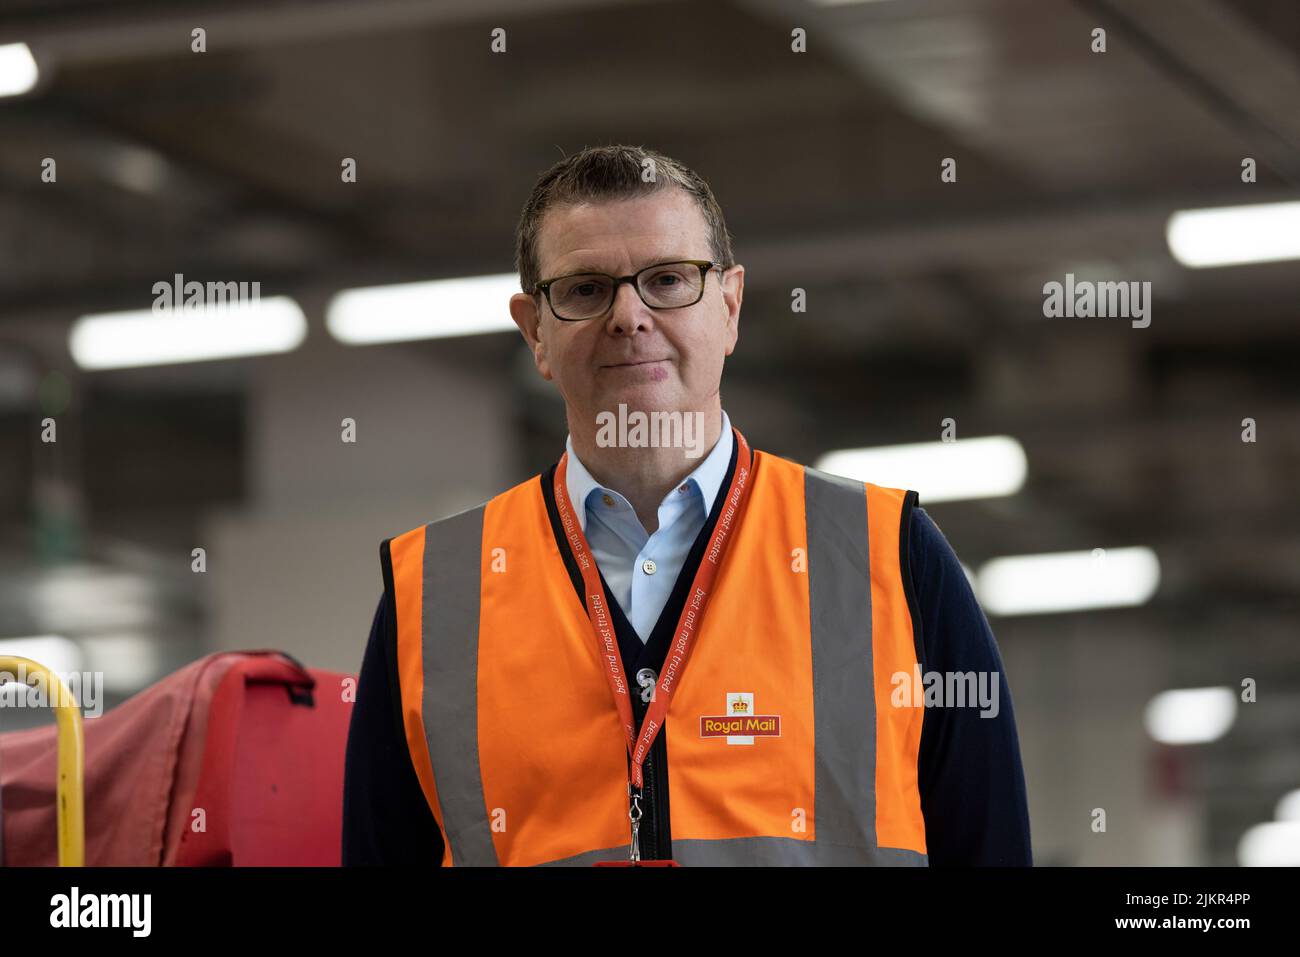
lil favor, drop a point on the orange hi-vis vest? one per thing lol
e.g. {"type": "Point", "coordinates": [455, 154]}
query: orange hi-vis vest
{"type": "Point", "coordinates": [785, 745]}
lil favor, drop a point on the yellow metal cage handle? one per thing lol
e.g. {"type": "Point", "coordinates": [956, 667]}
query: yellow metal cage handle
{"type": "Point", "coordinates": [71, 789]}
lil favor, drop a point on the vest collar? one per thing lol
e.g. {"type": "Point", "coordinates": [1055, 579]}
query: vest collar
{"type": "Point", "coordinates": [708, 476]}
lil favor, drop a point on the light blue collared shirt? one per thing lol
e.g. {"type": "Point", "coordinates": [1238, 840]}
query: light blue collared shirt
{"type": "Point", "coordinates": [620, 543]}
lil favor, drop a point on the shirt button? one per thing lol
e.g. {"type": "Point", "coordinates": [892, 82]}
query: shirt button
{"type": "Point", "coordinates": [648, 566]}
{"type": "Point", "coordinates": [608, 500]}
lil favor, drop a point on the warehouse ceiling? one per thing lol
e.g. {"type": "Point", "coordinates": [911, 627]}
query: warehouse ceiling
{"type": "Point", "coordinates": [925, 297]}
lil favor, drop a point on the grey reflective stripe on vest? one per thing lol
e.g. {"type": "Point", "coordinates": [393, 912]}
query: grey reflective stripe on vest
{"type": "Point", "coordinates": [844, 703]}
{"type": "Point", "coordinates": [453, 550]}
{"type": "Point", "coordinates": [762, 852]}
{"type": "Point", "coordinates": [789, 852]}
{"type": "Point", "coordinates": [587, 858]}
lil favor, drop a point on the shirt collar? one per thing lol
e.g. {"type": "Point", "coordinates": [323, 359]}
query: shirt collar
{"type": "Point", "coordinates": [707, 476]}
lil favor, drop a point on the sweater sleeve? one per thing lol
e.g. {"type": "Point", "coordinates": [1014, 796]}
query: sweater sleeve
{"type": "Point", "coordinates": [970, 775]}
{"type": "Point", "coordinates": [386, 819]}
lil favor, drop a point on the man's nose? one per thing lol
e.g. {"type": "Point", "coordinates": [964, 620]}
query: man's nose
{"type": "Point", "coordinates": [628, 314]}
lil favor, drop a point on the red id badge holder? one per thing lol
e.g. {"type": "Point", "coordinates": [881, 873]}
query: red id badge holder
{"type": "Point", "coordinates": [636, 864]}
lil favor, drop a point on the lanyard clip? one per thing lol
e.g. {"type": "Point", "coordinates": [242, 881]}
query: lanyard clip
{"type": "Point", "coordinates": [634, 815]}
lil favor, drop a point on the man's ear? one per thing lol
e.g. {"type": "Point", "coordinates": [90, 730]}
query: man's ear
{"type": "Point", "coordinates": [733, 292]}
{"type": "Point", "coordinates": [524, 311]}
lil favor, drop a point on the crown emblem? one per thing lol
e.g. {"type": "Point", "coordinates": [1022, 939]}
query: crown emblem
{"type": "Point", "coordinates": [740, 721]}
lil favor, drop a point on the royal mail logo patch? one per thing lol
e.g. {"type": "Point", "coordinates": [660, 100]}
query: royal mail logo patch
{"type": "Point", "coordinates": [740, 724]}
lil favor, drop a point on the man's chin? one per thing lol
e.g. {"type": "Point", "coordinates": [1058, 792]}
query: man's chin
{"type": "Point", "coordinates": [641, 397]}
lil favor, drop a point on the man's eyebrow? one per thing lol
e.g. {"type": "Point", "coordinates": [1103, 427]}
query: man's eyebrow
{"type": "Point", "coordinates": [586, 266]}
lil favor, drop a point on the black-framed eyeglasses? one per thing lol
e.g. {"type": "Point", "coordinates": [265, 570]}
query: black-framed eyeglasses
{"type": "Point", "coordinates": [587, 295]}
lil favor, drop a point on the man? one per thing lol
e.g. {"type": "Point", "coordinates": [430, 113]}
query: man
{"type": "Point", "coordinates": [665, 649]}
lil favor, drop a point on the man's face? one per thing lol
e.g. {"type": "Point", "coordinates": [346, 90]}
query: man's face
{"type": "Point", "coordinates": [652, 360]}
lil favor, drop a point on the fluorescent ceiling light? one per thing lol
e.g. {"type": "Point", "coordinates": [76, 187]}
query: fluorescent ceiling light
{"type": "Point", "coordinates": [18, 71]}
{"type": "Point", "coordinates": [1288, 809]}
{"type": "Point", "coordinates": [1275, 844]}
{"type": "Point", "coordinates": [119, 340]}
{"type": "Point", "coordinates": [1232, 235]}
{"type": "Point", "coordinates": [127, 661]}
{"type": "Point", "coordinates": [423, 310]}
{"type": "Point", "coordinates": [135, 168]}
{"type": "Point", "coordinates": [1191, 715]}
{"type": "Point", "coordinates": [1068, 581]}
{"type": "Point", "coordinates": [53, 651]}
{"type": "Point", "coordinates": [84, 597]}
{"type": "Point", "coordinates": [986, 467]}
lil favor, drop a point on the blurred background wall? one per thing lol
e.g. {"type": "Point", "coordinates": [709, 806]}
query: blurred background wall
{"type": "Point", "coordinates": [924, 302]}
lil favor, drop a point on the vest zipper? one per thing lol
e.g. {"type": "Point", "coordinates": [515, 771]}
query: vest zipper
{"type": "Point", "coordinates": [650, 838]}
{"type": "Point", "coordinates": [663, 832]}
{"type": "Point", "coordinates": [655, 833]}
{"type": "Point", "coordinates": [649, 813]}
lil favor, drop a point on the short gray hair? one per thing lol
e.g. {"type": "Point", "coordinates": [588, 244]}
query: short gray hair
{"type": "Point", "coordinates": [608, 173]}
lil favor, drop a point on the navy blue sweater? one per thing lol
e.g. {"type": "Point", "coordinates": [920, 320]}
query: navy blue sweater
{"type": "Point", "coordinates": [970, 776]}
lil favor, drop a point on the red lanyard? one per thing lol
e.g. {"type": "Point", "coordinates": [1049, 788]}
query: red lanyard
{"type": "Point", "coordinates": [638, 746]}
